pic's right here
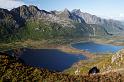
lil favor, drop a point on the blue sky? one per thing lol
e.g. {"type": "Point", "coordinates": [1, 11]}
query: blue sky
{"type": "Point", "coordinates": [103, 8]}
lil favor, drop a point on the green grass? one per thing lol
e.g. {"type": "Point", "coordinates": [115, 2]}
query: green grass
{"type": "Point", "coordinates": [103, 63]}
{"type": "Point", "coordinates": [85, 65]}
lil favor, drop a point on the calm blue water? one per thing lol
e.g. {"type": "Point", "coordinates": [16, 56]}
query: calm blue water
{"type": "Point", "coordinates": [57, 60]}
{"type": "Point", "coordinates": [96, 47]}
{"type": "Point", "coordinates": [51, 59]}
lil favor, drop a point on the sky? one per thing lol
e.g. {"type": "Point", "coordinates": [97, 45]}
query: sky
{"type": "Point", "coordinates": [113, 9]}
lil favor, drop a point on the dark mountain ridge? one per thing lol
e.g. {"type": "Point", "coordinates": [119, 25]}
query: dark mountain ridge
{"type": "Point", "coordinates": [58, 23]}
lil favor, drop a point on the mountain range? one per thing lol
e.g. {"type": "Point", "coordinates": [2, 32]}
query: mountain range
{"type": "Point", "coordinates": [29, 22]}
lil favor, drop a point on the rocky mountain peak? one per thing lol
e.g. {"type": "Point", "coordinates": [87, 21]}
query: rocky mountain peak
{"type": "Point", "coordinates": [76, 11]}
{"type": "Point", "coordinates": [32, 7]}
{"type": "Point", "coordinates": [4, 13]}
{"type": "Point", "coordinates": [72, 19]}
{"type": "Point", "coordinates": [54, 12]}
{"type": "Point", "coordinates": [66, 10]}
{"type": "Point", "coordinates": [66, 14]}
{"type": "Point", "coordinates": [21, 11]}
{"type": "Point", "coordinates": [27, 12]}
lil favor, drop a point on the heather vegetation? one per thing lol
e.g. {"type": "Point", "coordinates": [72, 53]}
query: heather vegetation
{"type": "Point", "coordinates": [12, 70]}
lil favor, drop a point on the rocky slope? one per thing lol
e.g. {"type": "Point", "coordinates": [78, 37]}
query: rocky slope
{"type": "Point", "coordinates": [106, 64]}
{"type": "Point", "coordinates": [32, 20]}
{"type": "Point", "coordinates": [8, 24]}
{"type": "Point", "coordinates": [27, 21]}
{"type": "Point", "coordinates": [111, 26]}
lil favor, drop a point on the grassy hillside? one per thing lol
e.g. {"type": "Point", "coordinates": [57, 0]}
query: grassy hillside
{"type": "Point", "coordinates": [12, 70]}
{"type": "Point", "coordinates": [40, 30]}
{"type": "Point", "coordinates": [106, 63]}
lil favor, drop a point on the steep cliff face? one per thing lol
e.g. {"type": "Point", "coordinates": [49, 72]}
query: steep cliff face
{"type": "Point", "coordinates": [9, 25]}
{"type": "Point", "coordinates": [27, 12]}
{"type": "Point", "coordinates": [7, 19]}
{"type": "Point", "coordinates": [111, 26]}
{"type": "Point", "coordinates": [89, 19]}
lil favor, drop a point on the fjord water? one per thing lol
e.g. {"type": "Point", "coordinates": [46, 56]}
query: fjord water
{"type": "Point", "coordinates": [51, 59]}
{"type": "Point", "coordinates": [96, 47]}
{"type": "Point", "coordinates": [56, 60]}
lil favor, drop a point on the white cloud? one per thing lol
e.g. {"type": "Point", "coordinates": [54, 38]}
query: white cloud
{"type": "Point", "coordinates": [119, 17]}
{"type": "Point", "coordinates": [9, 4]}
{"type": "Point", "coordinates": [115, 16]}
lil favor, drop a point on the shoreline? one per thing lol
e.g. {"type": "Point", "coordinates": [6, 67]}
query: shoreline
{"type": "Point", "coordinates": [68, 48]}
{"type": "Point", "coordinates": [64, 48]}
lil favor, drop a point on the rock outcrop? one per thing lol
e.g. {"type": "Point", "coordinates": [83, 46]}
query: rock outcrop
{"type": "Point", "coordinates": [118, 58]}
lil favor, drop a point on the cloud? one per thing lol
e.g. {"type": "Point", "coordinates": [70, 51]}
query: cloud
{"type": "Point", "coordinates": [9, 4]}
{"type": "Point", "coordinates": [120, 17]}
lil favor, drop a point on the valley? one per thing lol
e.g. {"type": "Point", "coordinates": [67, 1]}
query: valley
{"type": "Point", "coordinates": [66, 47]}
{"type": "Point", "coordinates": [60, 46]}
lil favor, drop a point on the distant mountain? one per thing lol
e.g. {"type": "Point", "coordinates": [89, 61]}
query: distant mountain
{"type": "Point", "coordinates": [111, 26]}
{"type": "Point", "coordinates": [122, 22]}
{"type": "Point", "coordinates": [29, 22]}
